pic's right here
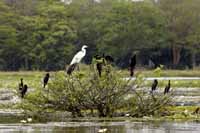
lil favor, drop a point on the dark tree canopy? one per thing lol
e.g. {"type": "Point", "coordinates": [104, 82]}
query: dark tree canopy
{"type": "Point", "coordinates": [45, 34]}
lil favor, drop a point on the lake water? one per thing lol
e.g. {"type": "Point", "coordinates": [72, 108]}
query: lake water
{"type": "Point", "coordinates": [109, 127]}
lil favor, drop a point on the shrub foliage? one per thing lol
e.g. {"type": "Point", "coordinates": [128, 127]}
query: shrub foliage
{"type": "Point", "coordinates": [83, 91]}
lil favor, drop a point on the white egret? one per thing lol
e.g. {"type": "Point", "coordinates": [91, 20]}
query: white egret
{"type": "Point", "coordinates": [77, 59]}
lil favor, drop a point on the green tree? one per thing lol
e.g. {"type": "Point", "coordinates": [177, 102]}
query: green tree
{"type": "Point", "coordinates": [183, 22]}
{"type": "Point", "coordinates": [131, 27]}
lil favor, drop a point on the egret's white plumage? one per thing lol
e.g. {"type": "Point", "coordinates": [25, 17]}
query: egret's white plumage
{"type": "Point", "coordinates": [79, 56]}
{"type": "Point", "coordinates": [77, 59]}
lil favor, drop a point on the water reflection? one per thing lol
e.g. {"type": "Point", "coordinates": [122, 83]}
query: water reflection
{"type": "Point", "coordinates": [112, 127]}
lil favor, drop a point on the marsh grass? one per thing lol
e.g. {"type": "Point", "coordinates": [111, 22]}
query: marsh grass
{"type": "Point", "coordinates": [182, 113]}
{"type": "Point", "coordinates": [165, 73]}
{"type": "Point", "coordinates": [11, 80]}
{"type": "Point", "coordinates": [175, 83]}
{"type": "Point", "coordinates": [34, 79]}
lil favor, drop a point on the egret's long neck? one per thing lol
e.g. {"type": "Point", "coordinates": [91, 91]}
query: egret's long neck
{"type": "Point", "coordinates": [83, 50]}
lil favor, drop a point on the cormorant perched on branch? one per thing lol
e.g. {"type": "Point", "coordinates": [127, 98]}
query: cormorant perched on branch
{"type": "Point", "coordinates": [46, 79]}
{"type": "Point", "coordinates": [24, 90]}
{"type": "Point", "coordinates": [197, 111]}
{"type": "Point", "coordinates": [108, 58]}
{"type": "Point", "coordinates": [167, 88]}
{"type": "Point", "coordinates": [132, 65]}
{"type": "Point", "coordinates": [76, 59]}
{"type": "Point", "coordinates": [102, 61]}
{"type": "Point", "coordinates": [99, 64]}
{"type": "Point", "coordinates": [154, 85]}
{"type": "Point", "coordinates": [21, 84]}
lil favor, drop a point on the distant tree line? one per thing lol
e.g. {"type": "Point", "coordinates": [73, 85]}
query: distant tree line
{"type": "Point", "coordinates": [45, 34]}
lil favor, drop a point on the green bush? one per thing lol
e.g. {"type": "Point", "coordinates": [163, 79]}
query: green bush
{"type": "Point", "coordinates": [86, 90]}
{"type": "Point", "coordinates": [150, 104]}
{"type": "Point", "coordinates": [81, 91]}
